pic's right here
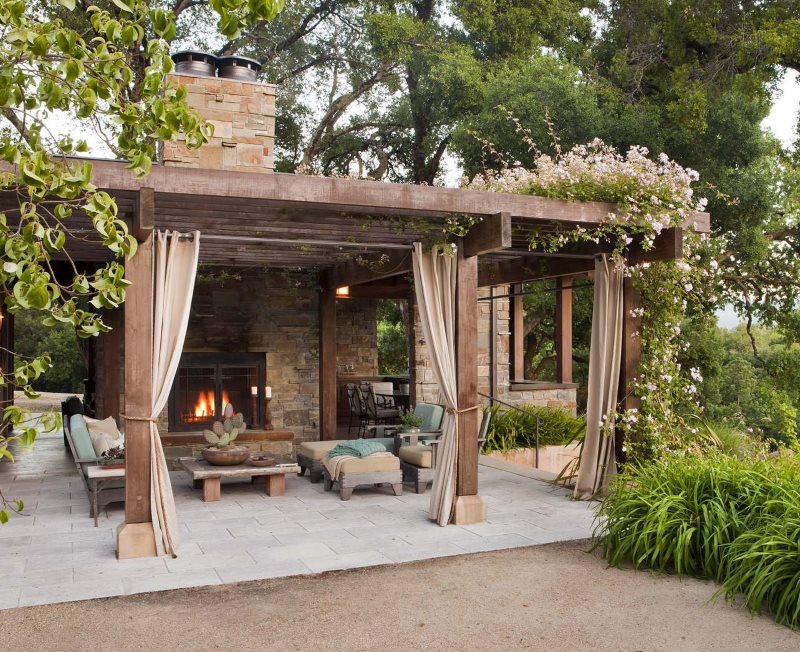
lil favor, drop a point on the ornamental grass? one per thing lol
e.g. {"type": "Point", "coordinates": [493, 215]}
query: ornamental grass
{"type": "Point", "coordinates": [731, 520]}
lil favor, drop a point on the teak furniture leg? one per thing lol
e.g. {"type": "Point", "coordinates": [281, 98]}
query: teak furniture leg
{"type": "Point", "coordinates": [276, 484]}
{"type": "Point", "coordinates": [211, 489]}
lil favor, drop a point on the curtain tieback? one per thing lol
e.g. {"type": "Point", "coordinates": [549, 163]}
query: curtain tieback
{"type": "Point", "coordinates": [130, 418]}
{"type": "Point", "coordinates": [456, 411]}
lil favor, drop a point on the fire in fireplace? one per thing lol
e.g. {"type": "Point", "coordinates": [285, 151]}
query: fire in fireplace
{"type": "Point", "coordinates": [207, 383]}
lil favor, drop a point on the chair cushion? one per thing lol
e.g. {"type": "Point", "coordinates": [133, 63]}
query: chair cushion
{"type": "Point", "coordinates": [103, 433]}
{"type": "Point", "coordinates": [80, 437]}
{"type": "Point", "coordinates": [417, 455]}
{"type": "Point", "coordinates": [316, 450]}
{"type": "Point", "coordinates": [370, 464]}
{"type": "Point", "coordinates": [431, 414]}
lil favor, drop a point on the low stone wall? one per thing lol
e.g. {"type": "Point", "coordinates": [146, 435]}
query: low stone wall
{"type": "Point", "coordinates": [551, 458]}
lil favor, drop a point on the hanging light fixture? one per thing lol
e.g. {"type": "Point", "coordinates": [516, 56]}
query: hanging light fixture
{"type": "Point", "coordinates": [343, 292]}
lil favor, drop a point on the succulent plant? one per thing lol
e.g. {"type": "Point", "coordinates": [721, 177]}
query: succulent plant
{"type": "Point", "coordinates": [223, 433]}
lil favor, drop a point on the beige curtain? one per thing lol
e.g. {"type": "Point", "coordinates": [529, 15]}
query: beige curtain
{"type": "Point", "coordinates": [435, 288]}
{"type": "Point", "coordinates": [175, 271]}
{"type": "Point", "coordinates": [597, 464]}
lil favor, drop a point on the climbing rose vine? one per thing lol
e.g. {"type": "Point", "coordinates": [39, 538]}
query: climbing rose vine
{"type": "Point", "coordinates": [650, 196]}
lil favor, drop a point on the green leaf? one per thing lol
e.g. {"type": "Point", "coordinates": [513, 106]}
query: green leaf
{"type": "Point", "coordinates": [123, 5]}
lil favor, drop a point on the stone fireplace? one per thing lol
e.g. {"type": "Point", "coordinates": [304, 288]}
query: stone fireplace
{"type": "Point", "coordinates": [208, 382]}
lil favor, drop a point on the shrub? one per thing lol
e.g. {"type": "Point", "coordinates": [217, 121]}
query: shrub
{"type": "Point", "coordinates": [736, 521]}
{"type": "Point", "coordinates": [517, 428]}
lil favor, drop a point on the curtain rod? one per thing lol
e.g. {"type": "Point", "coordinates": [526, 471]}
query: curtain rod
{"type": "Point", "coordinates": [290, 241]}
{"type": "Point", "coordinates": [575, 286]}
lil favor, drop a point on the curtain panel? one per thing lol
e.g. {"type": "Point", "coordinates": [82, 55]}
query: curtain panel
{"type": "Point", "coordinates": [598, 464]}
{"type": "Point", "coordinates": [175, 270]}
{"type": "Point", "coordinates": [435, 289]}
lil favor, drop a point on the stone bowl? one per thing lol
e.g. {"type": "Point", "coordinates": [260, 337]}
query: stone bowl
{"type": "Point", "coordinates": [262, 460]}
{"type": "Point", "coordinates": [228, 456]}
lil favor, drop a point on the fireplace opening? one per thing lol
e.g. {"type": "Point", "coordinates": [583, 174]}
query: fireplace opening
{"type": "Point", "coordinates": [206, 383]}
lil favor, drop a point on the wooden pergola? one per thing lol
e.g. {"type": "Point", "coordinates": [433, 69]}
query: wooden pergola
{"type": "Point", "coordinates": [357, 234]}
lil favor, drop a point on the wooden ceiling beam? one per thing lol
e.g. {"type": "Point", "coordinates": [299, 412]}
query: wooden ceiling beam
{"type": "Point", "coordinates": [520, 270]}
{"type": "Point", "coordinates": [370, 268]}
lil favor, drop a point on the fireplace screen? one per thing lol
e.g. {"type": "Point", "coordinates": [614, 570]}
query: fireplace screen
{"type": "Point", "coordinates": [207, 382]}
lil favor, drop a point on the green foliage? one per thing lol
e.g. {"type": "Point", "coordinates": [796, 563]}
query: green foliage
{"type": "Point", "coordinates": [32, 338]}
{"type": "Point", "coordinates": [392, 320]}
{"type": "Point", "coordinates": [517, 428]}
{"type": "Point", "coordinates": [730, 520]}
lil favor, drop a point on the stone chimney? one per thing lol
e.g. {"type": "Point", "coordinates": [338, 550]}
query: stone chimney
{"type": "Point", "coordinates": [224, 91]}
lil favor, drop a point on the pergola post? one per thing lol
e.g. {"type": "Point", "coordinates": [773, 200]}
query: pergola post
{"type": "Point", "coordinates": [469, 506]}
{"type": "Point", "coordinates": [631, 357]}
{"type": "Point", "coordinates": [327, 361]}
{"type": "Point", "coordinates": [564, 330]}
{"type": "Point", "coordinates": [135, 537]}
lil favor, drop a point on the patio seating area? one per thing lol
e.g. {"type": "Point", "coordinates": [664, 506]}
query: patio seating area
{"type": "Point", "coordinates": [55, 554]}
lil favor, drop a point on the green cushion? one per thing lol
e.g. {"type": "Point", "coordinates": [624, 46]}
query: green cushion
{"type": "Point", "coordinates": [80, 437]}
{"type": "Point", "coordinates": [431, 414]}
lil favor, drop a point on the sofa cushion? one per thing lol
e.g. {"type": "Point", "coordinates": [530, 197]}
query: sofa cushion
{"type": "Point", "coordinates": [103, 433]}
{"type": "Point", "coordinates": [370, 464]}
{"type": "Point", "coordinates": [316, 450]}
{"type": "Point", "coordinates": [431, 415]}
{"type": "Point", "coordinates": [417, 455]}
{"type": "Point", "coordinates": [80, 437]}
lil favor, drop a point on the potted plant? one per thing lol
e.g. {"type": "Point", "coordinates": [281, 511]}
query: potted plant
{"type": "Point", "coordinates": [222, 452]}
{"type": "Point", "coordinates": [114, 458]}
{"type": "Point", "coordinates": [409, 421]}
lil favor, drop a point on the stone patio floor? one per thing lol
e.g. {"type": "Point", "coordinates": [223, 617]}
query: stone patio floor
{"type": "Point", "coordinates": [55, 554]}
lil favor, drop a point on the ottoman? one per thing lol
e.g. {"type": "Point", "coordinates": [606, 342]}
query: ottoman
{"type": "Point", "coordinates": [373, 469]}
{"type": "Point", "coordinates": [310, 454]}
{"type": "Point", "coordinates": [416, 464]}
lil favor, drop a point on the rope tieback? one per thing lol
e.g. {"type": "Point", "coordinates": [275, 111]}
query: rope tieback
{"type": "Point", "coordinates": [128, 417]}
{"type": "Point", "coordinates": [456, 411]}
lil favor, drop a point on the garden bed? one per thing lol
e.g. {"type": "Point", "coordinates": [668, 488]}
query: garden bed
{"type": "Point", "coordinates": [551, 458]}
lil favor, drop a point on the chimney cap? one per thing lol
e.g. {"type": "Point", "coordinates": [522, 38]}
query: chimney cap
{"type": "Point", "coordinates": [236, 67]}
{"type": "Point", "coordinates": [195, 62]}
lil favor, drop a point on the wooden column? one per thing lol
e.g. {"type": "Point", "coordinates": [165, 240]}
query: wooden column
{"type": "Point", "coordinates": [327, 361]}
{"type": "Point", "coordinates": [135, 537]}
{"type": "Point", "coordinates": [517, 345]}
{"type": "Point", "coordinates": [469, 507]}
{"type": "Point", "coordinates": [631, 357]}
{"type": "Point", "coordinates": [112, 344]}
{"type": "Point", "coordinates": [564, 330]}
{"type": "Point", "coordinates": [6, 361]}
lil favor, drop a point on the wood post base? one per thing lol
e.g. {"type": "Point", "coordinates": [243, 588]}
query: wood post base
{"type": "Point", "coordinates": [211, 489]}
{"type": "Point", "coordinates": [275, 484]}
{"type": "Point", "coordinates": [136, 540]}
{"type": "Point", "coordinates": [469, 510]}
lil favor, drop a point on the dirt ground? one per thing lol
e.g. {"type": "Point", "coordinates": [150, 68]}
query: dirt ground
{"type": "Point", "coordinates": [554, 597]}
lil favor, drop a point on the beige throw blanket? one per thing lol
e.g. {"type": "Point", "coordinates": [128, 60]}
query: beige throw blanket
{"type": "Point", "coordinates": [334, 464]}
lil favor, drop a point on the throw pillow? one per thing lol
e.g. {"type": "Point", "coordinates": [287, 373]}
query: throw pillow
{"type": "Point", "coordinates": [104, 434]}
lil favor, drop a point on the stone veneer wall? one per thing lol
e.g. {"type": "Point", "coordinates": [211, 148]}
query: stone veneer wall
{"type": "Point", "coordinates": [243, 116]}
{"type": "Point", "coordinates": [428, 389]}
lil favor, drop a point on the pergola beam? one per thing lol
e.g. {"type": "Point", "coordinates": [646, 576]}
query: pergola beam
{"type": "Point", "coordinates": [520, 270]}
{"type": "Point", "coordinates": [491, 234]}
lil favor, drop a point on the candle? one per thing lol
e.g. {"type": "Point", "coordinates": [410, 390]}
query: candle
{"type": "Point", "coordinates": [268, 392]}
{"type": "Point", "coordinates": [254, 391]}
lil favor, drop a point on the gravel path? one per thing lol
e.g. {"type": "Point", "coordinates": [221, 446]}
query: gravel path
{"type": "Point", "coordinates": [553, 597]}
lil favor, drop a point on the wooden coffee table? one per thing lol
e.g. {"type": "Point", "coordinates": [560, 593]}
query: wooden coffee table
{"type": "Point", "coordinates": [211, 476]}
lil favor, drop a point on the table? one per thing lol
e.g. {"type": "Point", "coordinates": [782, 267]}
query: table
{"type": "Point", "coordinates": [211, 476]}
{"type": "Point", "coordinates": [97, 476]}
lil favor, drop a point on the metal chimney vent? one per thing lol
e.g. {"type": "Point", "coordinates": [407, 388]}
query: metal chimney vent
{"type": "Point", "coordinates": [192, 62]}
{"type": "Point", "coordinates": [239, 68]}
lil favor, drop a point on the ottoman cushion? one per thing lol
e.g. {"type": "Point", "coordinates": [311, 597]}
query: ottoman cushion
{"type": "Point", "coordinates": [315, 450]}
{"type": "Point", "coordinates": [370, 464]}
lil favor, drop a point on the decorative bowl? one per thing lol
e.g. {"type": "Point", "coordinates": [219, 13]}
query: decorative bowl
{"type": "Point", "coordinates": [262, 460]}
{"type": "Point", "coordinates": [227, 456]}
